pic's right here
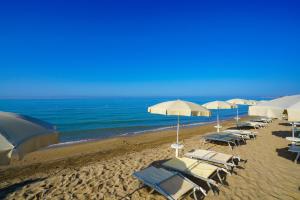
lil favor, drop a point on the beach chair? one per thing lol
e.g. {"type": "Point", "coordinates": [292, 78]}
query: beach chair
{"type": "Point", "coordinates": [228, 161]}
{"type": "Point", "coordinates": [196, 168]}
{"type": "Point", "coordinates": [227, 138]}
{"type": "Point", "coordinates": [171, 185]}
{"type": "Point", "coordinates": [295, 149]}
{"type": "Point", "coordinates": [259, 123]}
{"type": "Point", "coordinates": [247, 134]}
{"type": "Point", "coordinates": [254, 125]}
{"type": "Point", "coordinates": [262, 119]}
{"type": "Point", "coordinates": [294, 140]}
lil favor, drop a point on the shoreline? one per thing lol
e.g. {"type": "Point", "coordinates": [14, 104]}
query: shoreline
{"type": "Point", "coordinates": [55, 158]}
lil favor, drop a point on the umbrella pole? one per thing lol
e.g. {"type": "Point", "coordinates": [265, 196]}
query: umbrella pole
{"type": "Point", "coordinates": [218, 124]}
{"type": "Point", "coordinates": [177, 140]}
{"type": "Point", "coordinates": [237, 115]}
{"type": "Point", "coordinates": [293, 129]}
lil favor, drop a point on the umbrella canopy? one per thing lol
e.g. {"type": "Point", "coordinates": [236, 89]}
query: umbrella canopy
{"type": "Point", "coordinates": [24, 135]}
{"type": "Point", "coordinates": [179, 108]}
{"type": "Point", "coordinates": [274, 108]}
{"type": "Point", "coordinates": [252, 102]}
{"type": "Point", "coordinates": [219, 105]}
{"type": "Point", "coordinates": [216, 105]}
{"type": "Point", "coordinates": [239, 101]}
{"type": "Point", "coordinates": [294, 112]}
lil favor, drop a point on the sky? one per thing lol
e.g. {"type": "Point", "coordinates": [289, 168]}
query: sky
{"type": "Point", "coordinates": [149, 48]}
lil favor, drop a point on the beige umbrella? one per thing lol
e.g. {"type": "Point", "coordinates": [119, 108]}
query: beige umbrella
{"type": "Point", "coordinates": [23, 135]}
{"type": "Point", "coordinates": [239, 102]}
{"type": "Point", "coordinates": [217, 105]}
{"type": "Point", "coordinates": [294, 115]}
{"type": "Point", "coordinates": [179, 108]}
{"type": "Point", "coordinates": [252, 102]}
{"type": "Point", "coordinates": [274, 108]}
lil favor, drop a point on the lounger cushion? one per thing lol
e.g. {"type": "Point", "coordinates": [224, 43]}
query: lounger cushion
{"type": "Point", "coordinates": [191, 166]}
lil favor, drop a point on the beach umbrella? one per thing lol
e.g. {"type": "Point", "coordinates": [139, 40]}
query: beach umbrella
{"type": "Point", "coordinates": [217, 105]}
{"type": "Point", "coordinates": [178, 108]}
{"type": "Point", "coordinates": [23, 134]}
{"type": "Point", "coordinates": [274, 108]}
{"type": "Point", "coordinates": [294, 115]}
{"type": "Point", "coordinates": [252, 102]}
{"type": "Point", "coordinates": [239, 102]}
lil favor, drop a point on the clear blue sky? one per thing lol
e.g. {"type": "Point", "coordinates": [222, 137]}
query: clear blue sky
{"type": "Point", "coordinates": [140, 48]}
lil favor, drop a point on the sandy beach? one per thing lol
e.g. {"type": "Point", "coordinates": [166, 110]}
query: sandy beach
{"type": "Point", "coordinates": [103, 169]}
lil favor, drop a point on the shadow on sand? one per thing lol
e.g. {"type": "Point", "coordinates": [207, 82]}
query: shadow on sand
{"type": "Point", "coordinates": [284, 153]}
{"type": "Point", "coordinates": [282, 134]}
{"type": "Point", "coordinates": [4, 192]}
{"type": "Point", "coordinates": [285, 124]}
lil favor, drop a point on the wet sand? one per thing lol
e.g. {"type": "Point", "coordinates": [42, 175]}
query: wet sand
{"type": "Point", "coordinates": [103, 169]}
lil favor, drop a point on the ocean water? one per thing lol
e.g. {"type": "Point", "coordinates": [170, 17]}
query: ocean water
{"type": "Point", "coordinates": [98, 118]}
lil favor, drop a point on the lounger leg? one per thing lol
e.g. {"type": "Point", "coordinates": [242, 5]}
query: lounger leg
{"type": "Point", "coordinates": [297, 157]}
{"type": "Point", "coordinates": [230, 146]}
{"type": "Point", "coordinates": [201, 190]}
{"type": "Point", "coordinates": [218, 174]}
{"type": "Point", "coordinates": [194, 194]}
{"type": "Point", "coordinates": [209, 185]}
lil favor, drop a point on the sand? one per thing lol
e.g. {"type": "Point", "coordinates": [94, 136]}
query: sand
{"type": "Point", "coordinates": [105, 170]}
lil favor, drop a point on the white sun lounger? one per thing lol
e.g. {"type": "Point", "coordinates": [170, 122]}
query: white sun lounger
{"type": "Point", "coordinates": [259, 123]}
{"type": "Point", "coordinates": [196, 168]}
{"type": "Point", "coordinates": [214, 157]}
{"type": "Point", "coordinates": [295, 149]}
{"type": "Point", "coordinates": [254, 125]}
{"type": "Point", "coordinates": [172, 185]}
{"type": "Point", "coordinates": [246, 133]}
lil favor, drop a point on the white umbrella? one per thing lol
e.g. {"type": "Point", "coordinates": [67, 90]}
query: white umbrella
{"type": "Point", "coordinates": [23, 135]}
{"type": "Point", "coordinates": [179, 108]}
{"type": "Point", "coordinates": [217, 105]}
{"type": "Point", "coordinates": [274, 108]}
{"type": "Point", "coordinates": [294, 115]}
{"type": "Point", "coordinates": [239, 102]}
{"type": "Point", "coordinates": [252, 102]}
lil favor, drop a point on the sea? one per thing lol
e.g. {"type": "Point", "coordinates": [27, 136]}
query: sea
{"type": "Point", "coordinates": [84, 119]}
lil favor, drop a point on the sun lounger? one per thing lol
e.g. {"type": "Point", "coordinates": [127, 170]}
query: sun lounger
{"type": "Point", "coordinates": [215, 157]}
{"type": "Point", "coordinates": [224, 137]}
{"type": "Point", "coordinates": [172, 185]}
{"type": "Point", "coordinates": [294, 140]}
{"type": "Point", "coordinates": [295, 149]}
{"type": "Point", "coordinates": [262, 119]}
{"type": "Point", "coordinates": [254, 125]}
{"type": "Point", "coordinates": [259, 123]}
{"type": "Point", "coordinates": [196, 168]}
{"type": "Point", "coordinates": [247, 134]}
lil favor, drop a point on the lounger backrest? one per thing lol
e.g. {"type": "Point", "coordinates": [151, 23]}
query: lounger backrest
{"type": "Point", "coordinates": [153, 175]}
{"type": "Point", "coordinates": [169, 184]}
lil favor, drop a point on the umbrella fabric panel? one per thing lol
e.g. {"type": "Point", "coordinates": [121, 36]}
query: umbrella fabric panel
{"type": "Point", "coordinates": [275, 107]}
{"type": "Point", "coordinates": [182, 108]}
{"type": "Point", "coordinates": [16, 129]}
{"type": "Point", "coordinates": [24, 135]}
{"type": "Point", "coordinates": [294, 112]}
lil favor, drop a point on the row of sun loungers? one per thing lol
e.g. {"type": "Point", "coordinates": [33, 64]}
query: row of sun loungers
{"type": "Point", "coordinates": [232, 138]}
{"type": "Point", "coordinates": [170, 178]}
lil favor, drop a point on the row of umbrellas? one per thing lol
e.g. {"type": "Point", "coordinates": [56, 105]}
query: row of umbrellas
{"type": "Point", "coordinates": [24, 134]}
{"type": "Point", "coordinates": [290, 105]}
{"type": "Point", "coordinates": [185, 108]}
